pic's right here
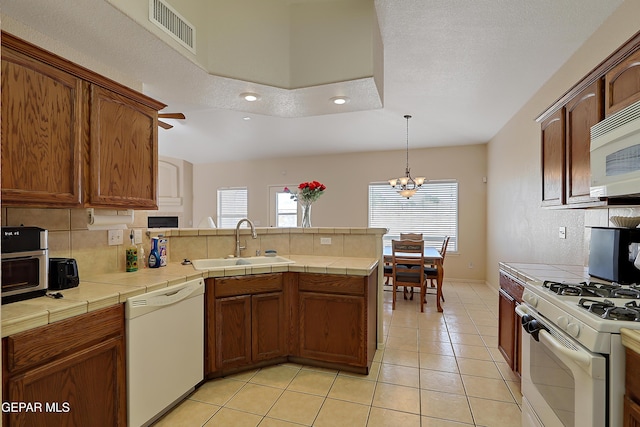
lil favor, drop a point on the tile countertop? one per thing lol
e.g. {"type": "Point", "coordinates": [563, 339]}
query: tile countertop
{"type": "Point", "coordinates": [100, 291]}
{"type": "Point", "coordinates": [539, 272]}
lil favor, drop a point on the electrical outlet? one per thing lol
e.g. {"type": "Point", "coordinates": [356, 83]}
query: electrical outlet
{"type": "Point", "coordinates": [325, 240]}
{"type": "Point", "coordinates": [115, 237]}
{"type": "Point", "coordinates": [470, 264]}
{"type": "Point", "coordinates": [562, 232]}
{"type": "Point", "coordinates": [137, 236]}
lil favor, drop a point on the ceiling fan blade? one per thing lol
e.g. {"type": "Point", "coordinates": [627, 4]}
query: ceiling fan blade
{"type": "Point", "coordinates": [164, 125]}
{"type": "Point", "coordinates": [179, 116]}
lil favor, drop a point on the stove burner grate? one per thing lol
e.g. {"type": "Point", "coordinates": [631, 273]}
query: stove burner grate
{"type": "Point", "coordinates": [593, 289]}
{"type": "Point", "coordinates": [608, 310]}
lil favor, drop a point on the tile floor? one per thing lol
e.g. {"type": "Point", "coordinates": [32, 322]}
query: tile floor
{"type": "Point", "coordinates": [436, 370]}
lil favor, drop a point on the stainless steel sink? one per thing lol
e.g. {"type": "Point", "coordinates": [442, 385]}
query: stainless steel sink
{"type": "Point", "coordinates": [225, 263]}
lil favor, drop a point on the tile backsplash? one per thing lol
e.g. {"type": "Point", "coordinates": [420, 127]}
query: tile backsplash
{"type": "Point", "coordinates": [69, 237]}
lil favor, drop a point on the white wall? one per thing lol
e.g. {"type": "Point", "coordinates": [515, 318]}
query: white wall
{"type": "Point", "coordinates": [345, 202]}
{"type": "Point", "coordinates": [518, 229]}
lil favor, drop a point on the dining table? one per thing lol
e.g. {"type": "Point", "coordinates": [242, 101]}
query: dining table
{"type": "Point", "coordinates": [432, 256]}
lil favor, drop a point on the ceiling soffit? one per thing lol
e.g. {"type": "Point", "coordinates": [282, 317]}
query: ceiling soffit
{"type": "Point", "coordinates": [296, 54]}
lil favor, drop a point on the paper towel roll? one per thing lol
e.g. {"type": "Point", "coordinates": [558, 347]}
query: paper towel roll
{"type": "Point", "coordinates": [109, 222]}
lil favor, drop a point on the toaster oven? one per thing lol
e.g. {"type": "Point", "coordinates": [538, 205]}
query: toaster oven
{"type": "Point", "coordinates": [25, 263]}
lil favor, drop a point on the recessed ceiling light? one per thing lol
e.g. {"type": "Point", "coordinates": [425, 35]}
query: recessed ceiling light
{"type": "Point", "coordinates": [339, 100]}
{"type": "Point", "coordinates": [249, 96]}
{"type": "Point", "coordinates": [246, 118]}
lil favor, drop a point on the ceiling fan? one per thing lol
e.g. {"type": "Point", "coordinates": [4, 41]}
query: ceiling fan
{"type": "Point", "coordinates": [164, 125]}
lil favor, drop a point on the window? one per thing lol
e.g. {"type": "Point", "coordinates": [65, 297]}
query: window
{"type": "Point", "coordinates": [232, 206]}
{"type": "Point", "coordinates": [286, 210]}
{"type": "Point", "coordinates": [432, 211]}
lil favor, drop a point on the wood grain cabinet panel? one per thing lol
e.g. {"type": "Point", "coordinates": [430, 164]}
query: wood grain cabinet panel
{"type": "Point", "coordinates": [632, 389]}
{"type": "Point", "coordinates": [250, 320]}
{"type": "Point", "coordinates": [73, 138]}
{"type": "Point", "coordinates": [42, 116]}
{"type": "Point", "coordinates": [553, 159]}
{"type": "Point", "coordinates": [623, 84]}
{"type": "Point", "coordinates": [582, 112]}
{"type": "Point", "coordinates": [332, 328]}
{"type": "Point", "coordinates": [123, 152]}
{"type": "Point", "coordinates": [83, 381]}
{"type": "Point", "coordinates": [509, 331]}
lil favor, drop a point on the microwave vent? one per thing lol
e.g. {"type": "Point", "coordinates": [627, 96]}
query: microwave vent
{"type": "Point", "coordinates": [616, 120]}
{"type": "Point", "coordinates": [172, 23]}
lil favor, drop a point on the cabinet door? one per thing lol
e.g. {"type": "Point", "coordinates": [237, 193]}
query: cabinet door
{"type": "Point", "coordinates": [631, 413]}
{"type": "Point", "coordinates": [124, 152]}
{"type": "Point", "coordinates": [233, 331]}
{"type": "Point", "coordinates": [506, 327]}
{"type": "Point", "coordinates": [332, 328]}
{"type": "Point", "coordinates": [81, 389]}
{"type": "Point", "coordinates": [582, 112]}
{"type": "Point", "coordinates": [622, 84]}
{"type": "Point", "coordinates": [42, 135]}
{"type": "Point", "coordinates": [268, 330]}
{"type": "Point", "coordinates": [553, 159]}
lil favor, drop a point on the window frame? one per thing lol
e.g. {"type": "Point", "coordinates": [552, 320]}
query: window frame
{"type": "Point", "coordinates": [433, 234]}
{"type": "Point", "coordinates": [223, 217]}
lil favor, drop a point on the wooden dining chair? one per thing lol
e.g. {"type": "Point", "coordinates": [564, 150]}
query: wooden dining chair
{"type": "Point", "coordinates": [407, 264]}
{"type": "Point", "coordinates": [431, 273]}
{"type": "Point", "coordinates": [410, 236]}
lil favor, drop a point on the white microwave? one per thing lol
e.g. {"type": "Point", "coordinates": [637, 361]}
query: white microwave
{"type": "Point", "coordinates": [615, 154]}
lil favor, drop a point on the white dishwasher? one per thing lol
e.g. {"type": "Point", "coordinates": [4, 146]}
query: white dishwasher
{"type": "Point", "coordinates": [165, 349]}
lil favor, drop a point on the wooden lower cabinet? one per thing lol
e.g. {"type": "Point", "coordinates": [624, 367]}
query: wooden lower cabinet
{"type": "Point", "coordinates": [267, 318]}
{"type": "Point", "coordinates": [332, 328]}
{"type": "Point", "coordinates": [246, 321]}
{"type": "Point", "coordinates": [72, 372]}
{"type": "Point", "coordinates": [337, 317]}
{"type": "Point", "coordinates": [509, 330]}
{"type": "Point", "coordinates": [632, 389]}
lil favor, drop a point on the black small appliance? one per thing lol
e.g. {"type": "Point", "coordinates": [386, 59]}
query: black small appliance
{"type": "Point", "coordinates": [63, 273]}
{"type": "Point", "coordinates": [612, 254]}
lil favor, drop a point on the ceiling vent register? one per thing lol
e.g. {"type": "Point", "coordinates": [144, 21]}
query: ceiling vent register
{"type": "Point", "coordinates": [172, 23]}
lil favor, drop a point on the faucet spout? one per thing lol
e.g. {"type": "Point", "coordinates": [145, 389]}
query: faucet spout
{"type": "Point", "coordinates": [253, 234]}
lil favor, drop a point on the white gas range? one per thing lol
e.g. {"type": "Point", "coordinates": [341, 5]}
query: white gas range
{"type": "Point", "coordinates": [572, 355]}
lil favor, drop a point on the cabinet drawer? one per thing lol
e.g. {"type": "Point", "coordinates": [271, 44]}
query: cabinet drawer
{"type": "Point", "coordinates": [331, 284]}
{"type": "Point", "coordinates": [512, 286]}
{"type": "Point", "coordinates": [246, 285]}
{"type": "Point", "coordinates": [38, 345]}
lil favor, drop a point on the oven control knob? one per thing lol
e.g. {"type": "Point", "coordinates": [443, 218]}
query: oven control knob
{"type": "Point", "coordinates": [573, 329]}
{"type": "Point", "coordinates": [563, 322]}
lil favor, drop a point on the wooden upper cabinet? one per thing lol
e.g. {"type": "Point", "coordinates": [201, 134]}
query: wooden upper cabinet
{"type": "Point", "coordinates": [71, 137]}
{"type": "Point", "coordinates": [623, 84]}
{"type": "Point", "coordinates": [582, 112]}
{"type": "Point", "coordinates": [123, 152]}
{"type": "Point", "coordinates": [553, 159]}
{"type": "Point", "coordinates": [42, 116]}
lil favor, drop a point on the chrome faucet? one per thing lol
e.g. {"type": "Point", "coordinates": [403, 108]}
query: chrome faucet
{"type": "Point", "coordinates": [253, 235]}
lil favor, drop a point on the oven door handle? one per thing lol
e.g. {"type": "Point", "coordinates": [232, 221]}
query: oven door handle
{"type": "Point", "coordinates": [578, 356]}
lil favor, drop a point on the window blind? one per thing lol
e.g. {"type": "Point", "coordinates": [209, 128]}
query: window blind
{"type": "Point", "coordinates": [232, 206]}
{"type": "Point", "coordinates": [432, 211]}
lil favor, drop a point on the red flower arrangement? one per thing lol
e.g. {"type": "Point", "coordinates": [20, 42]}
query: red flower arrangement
{"type": "Point", "coordinates": [308, 192]}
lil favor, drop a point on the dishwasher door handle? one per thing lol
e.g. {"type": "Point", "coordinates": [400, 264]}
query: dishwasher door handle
{"type": "Point", "coordinates": [151, 301]}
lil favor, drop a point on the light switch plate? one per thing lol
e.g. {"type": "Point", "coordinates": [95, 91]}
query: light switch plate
{"type": "Point", "coordinates": [115, 237]}
{"type": "Point", "coordinates": [137, 236]}
{"type": "Point", "coordinates": [325, 240]}
{"type": "Point", "coordinates": [562, 233]}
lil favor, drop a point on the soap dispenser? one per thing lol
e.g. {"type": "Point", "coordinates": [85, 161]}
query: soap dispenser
{"type": "Point", "coordinates": [132, 256]}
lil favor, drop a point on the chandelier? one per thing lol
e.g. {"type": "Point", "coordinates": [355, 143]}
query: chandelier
{"type": "Point", "coordinates": [407, 186]}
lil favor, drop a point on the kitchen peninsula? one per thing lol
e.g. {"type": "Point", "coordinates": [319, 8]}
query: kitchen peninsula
{"type": "Point", "coordinates": [347, 287]}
